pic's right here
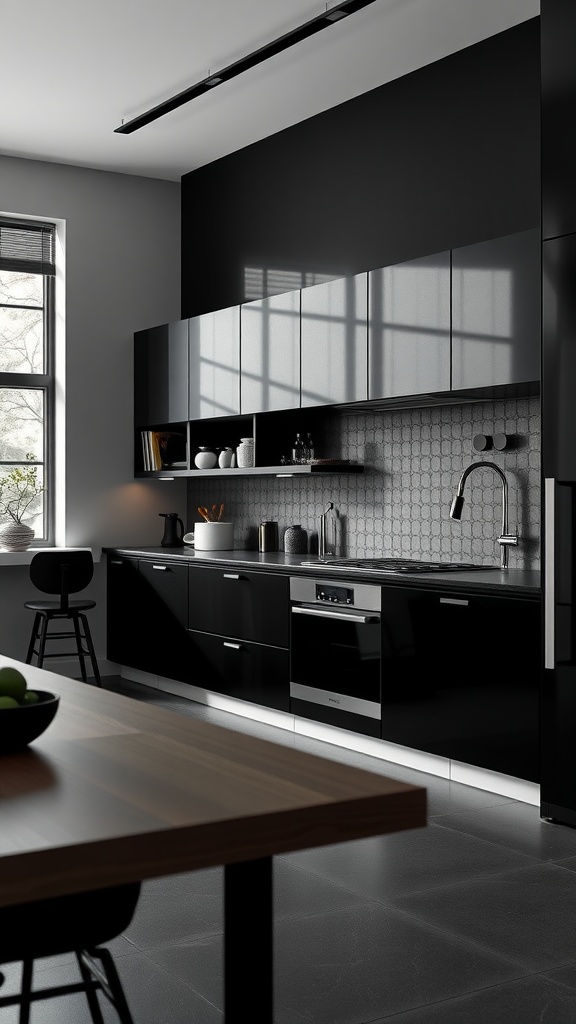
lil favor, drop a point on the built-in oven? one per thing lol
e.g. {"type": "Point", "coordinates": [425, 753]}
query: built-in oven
{"type": "Point", "coordinates": [335, 653]}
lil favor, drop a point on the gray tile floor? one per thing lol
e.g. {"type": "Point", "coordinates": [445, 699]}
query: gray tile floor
{"type": "Point", "coordinates": [467, 921]}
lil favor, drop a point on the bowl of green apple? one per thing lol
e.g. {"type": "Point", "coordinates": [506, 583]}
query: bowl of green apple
{"type": "Point", "coordinates": [24, 713]}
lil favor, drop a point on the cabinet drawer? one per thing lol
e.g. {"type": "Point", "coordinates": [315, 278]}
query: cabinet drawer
{"type": "Point", "coordinates": [249, 671]}
{"type": "Point", "coordinates": [239, 604]}
{"type": "Point", "coordinates": [166, 585]}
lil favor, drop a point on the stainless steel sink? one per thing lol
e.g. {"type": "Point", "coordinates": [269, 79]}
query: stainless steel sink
{"type": "Point", "coordinates": [393, 565]}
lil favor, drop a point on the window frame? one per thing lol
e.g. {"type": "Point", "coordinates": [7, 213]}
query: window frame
{"type": "Point", "coordinates": [44, 382]}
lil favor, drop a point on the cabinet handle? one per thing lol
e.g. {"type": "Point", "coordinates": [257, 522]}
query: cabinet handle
{"type": "Point", "coordinates": [116, 561]}
{"type": "Point", "coordinates": [452, 600]}
{"type": "Point", "coordinates": [549, 582]}
{"type": "Point", "coordinates": [235, 647]}
{"type": "Point", "coordinates": [323, 613]}
{"type": "Point", "coordinates": [231, 576]}
{"type": "Point", "coordinates": [162, 568]}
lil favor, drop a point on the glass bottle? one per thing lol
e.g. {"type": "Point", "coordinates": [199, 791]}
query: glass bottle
{"type": "Point", "coordinates": [309, 448]}
{"type": "Point", "coordinates": [298, 455]}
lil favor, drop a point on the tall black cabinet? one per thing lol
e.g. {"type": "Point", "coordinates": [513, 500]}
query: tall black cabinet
{"type": "Point", "coordinates": [558, 701]}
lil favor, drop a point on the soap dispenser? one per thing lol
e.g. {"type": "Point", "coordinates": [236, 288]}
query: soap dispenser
{"type": "Point", "coordinates": [327, 532]}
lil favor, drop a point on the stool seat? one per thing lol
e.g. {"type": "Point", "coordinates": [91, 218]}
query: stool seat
{"type": "Point", "coordinates": [53, 607]}
{"type": "Point", "coordinates": [62, 572]}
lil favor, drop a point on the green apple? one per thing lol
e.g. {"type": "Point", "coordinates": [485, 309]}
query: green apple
{"type": "Point", "coordinates": [12, 683]}
{"type": "Point", "coordinates": [8, 702]}
{"type": "Point", "coordinates": [30, 697]}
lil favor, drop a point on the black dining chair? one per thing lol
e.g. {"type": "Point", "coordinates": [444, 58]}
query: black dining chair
{"type": "Point", "coordinates": [63, 573]}
{"type": "Point", "coordinates": [77, 924]}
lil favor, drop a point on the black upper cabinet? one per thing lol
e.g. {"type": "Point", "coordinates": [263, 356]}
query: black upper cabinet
{"type": "Point", "coordinates": [409, 327]}
{"type": "Point", "coordinates": [558, 32]}
{"type": "Point", "coordinates": [270, 353]}
{"type": "Point", "coordinates": [161, 375]}
{"type": "Point", "coordinates": [334, 341]}
{"type": "Point", "coordinates": [214, 381]}
{"type": "Point", "coordinates": [496, 311]}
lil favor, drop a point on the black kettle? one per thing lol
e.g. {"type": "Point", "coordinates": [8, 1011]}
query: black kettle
{"type": "Point", "coordinates": [172, 538]}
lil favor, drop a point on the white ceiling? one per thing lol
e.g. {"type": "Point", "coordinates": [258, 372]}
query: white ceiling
{"type": "Point", "coordinates": [71, 70]}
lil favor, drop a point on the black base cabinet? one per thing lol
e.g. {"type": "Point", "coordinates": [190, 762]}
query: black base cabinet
{"type": "Point", "coordinates": [147, 618]}
{"type": "Point", "coordinates": [460, 677]}
{"type": "Point", "coordinates": [239, 627]}
{"type": "Point", "coordinates": [125, 609]}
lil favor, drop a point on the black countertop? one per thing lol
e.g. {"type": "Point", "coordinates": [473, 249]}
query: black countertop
{"type": "Point", "coordinates": [512, 581]}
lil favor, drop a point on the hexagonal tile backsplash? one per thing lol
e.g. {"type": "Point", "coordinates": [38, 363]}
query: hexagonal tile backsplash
{"type": "Point", "coordinates": [399, 506]}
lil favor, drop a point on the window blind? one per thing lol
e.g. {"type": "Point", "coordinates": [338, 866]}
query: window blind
{"type": "Point", "coordinates": [27, 247]}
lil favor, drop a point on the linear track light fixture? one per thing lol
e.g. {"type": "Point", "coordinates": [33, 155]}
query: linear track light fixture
{"type": "Point", "coordinates": [309, 28]}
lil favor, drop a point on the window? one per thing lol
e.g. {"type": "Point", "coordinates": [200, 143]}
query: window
{"type": "Point", "coordinates": [27, 364]}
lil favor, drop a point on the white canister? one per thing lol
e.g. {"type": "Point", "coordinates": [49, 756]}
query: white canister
{"type": "Point", "coordinates": [213, 536]}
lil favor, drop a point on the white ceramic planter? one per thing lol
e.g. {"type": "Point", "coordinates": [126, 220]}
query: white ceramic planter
{"type": "Point", "coordinates": [16, 537]}
{"type": "Point", "coordinates": [213, 536]}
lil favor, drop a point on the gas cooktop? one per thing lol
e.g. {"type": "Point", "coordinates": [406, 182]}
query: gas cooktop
{"type": "Point", "coordinates": [394, 565]}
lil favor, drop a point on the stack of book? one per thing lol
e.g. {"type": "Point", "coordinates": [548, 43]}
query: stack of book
{"type": "Point", "coordinates": [163, 449]}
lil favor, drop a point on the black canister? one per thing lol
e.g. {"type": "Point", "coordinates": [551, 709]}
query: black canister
{"type": "Point", "coordinates": [268, 536]}
{"type": "Point", "coordinates": [295, 540]}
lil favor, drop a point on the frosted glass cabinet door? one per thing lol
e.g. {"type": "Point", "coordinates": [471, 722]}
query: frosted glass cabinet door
{"type": "Point", "coordinates": [496, 311]}
{"type": "Point", "coordinates": [215, 363]}
{"type": "Point", "coordinates": [270, 353]}
{"type": "Point", "coordinates": [409, 327]}
{"type": "Point", "coordinates": [334, 341]}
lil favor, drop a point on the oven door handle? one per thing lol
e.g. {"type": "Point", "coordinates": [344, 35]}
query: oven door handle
{"type": "Point", "coordinates": [325, 613]}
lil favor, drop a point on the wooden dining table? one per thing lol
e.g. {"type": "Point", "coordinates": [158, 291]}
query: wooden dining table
{"type": "Point", "coordinates": [118, 790]}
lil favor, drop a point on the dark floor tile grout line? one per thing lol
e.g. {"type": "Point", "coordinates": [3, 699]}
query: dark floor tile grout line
{"type": "Point", "coordinates": [456, 999]}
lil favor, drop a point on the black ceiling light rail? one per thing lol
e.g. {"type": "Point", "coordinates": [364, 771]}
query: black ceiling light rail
{"type": "Point", "coordinates": [309, 28]}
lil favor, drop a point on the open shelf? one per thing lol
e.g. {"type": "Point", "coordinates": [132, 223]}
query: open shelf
{"type": "Point", "coordinates": [321, 469]}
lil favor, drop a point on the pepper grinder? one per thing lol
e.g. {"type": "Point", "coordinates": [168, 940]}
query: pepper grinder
{"type": "Point", "coordinates": [268, 535]}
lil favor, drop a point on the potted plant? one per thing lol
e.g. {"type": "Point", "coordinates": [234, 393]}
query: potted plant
{"type": "Point", "coordinates": [19, 493]}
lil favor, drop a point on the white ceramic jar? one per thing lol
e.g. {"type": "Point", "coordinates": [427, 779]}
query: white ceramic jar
{"type": "Point", "coordinates": [245, 452]}
{"type": "Point", "coordinates": [206, 458]}
{"type": "Point", "coordinates": [225, 458]}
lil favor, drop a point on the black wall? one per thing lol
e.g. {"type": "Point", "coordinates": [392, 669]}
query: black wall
{"type": "Point", "coordinates": [443, 157]}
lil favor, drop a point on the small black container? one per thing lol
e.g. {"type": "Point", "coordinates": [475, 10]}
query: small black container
{"type": "Point", "coordinates": [268, 536]}
{"type": "Point", "coordinates": [295, 540]}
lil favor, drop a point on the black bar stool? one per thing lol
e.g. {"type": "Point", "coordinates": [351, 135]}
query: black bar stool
{"type": "Point", "coordinates": [64, 573]}
{"type": "Point", "coordinates": [76, 924]}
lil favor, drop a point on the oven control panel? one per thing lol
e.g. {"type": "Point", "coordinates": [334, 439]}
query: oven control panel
{"type": "Point", "coordinates": [365, 596]}
{"type": "Point", "coordinates": [335, 595]}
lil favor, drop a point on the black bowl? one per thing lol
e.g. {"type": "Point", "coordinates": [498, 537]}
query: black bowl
{"type": "Point", "coordinates": [20, 726]}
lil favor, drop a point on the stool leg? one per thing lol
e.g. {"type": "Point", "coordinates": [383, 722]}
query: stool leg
{"type": "Point", "coordinates": [79, 647]}
{"type": "Point", "coordinates": [26, 990]}
{"type": "Point", "coordinates": [42, 642]}
{"type": "Point", "coordinates": [95, 1011]}
{"type": "Point", "coordinates": [110, 981]}
{"type": "Point", "coordinates": [33, 638]}
{"type": "Point", "coordinates": [90, 646]}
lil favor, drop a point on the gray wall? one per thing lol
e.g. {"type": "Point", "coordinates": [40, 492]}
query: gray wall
{"type": "Point", "coordinates": [122, 274]}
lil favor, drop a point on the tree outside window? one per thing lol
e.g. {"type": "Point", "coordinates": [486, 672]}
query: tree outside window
{"type": "Point", "coordinates": [26, 384]}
